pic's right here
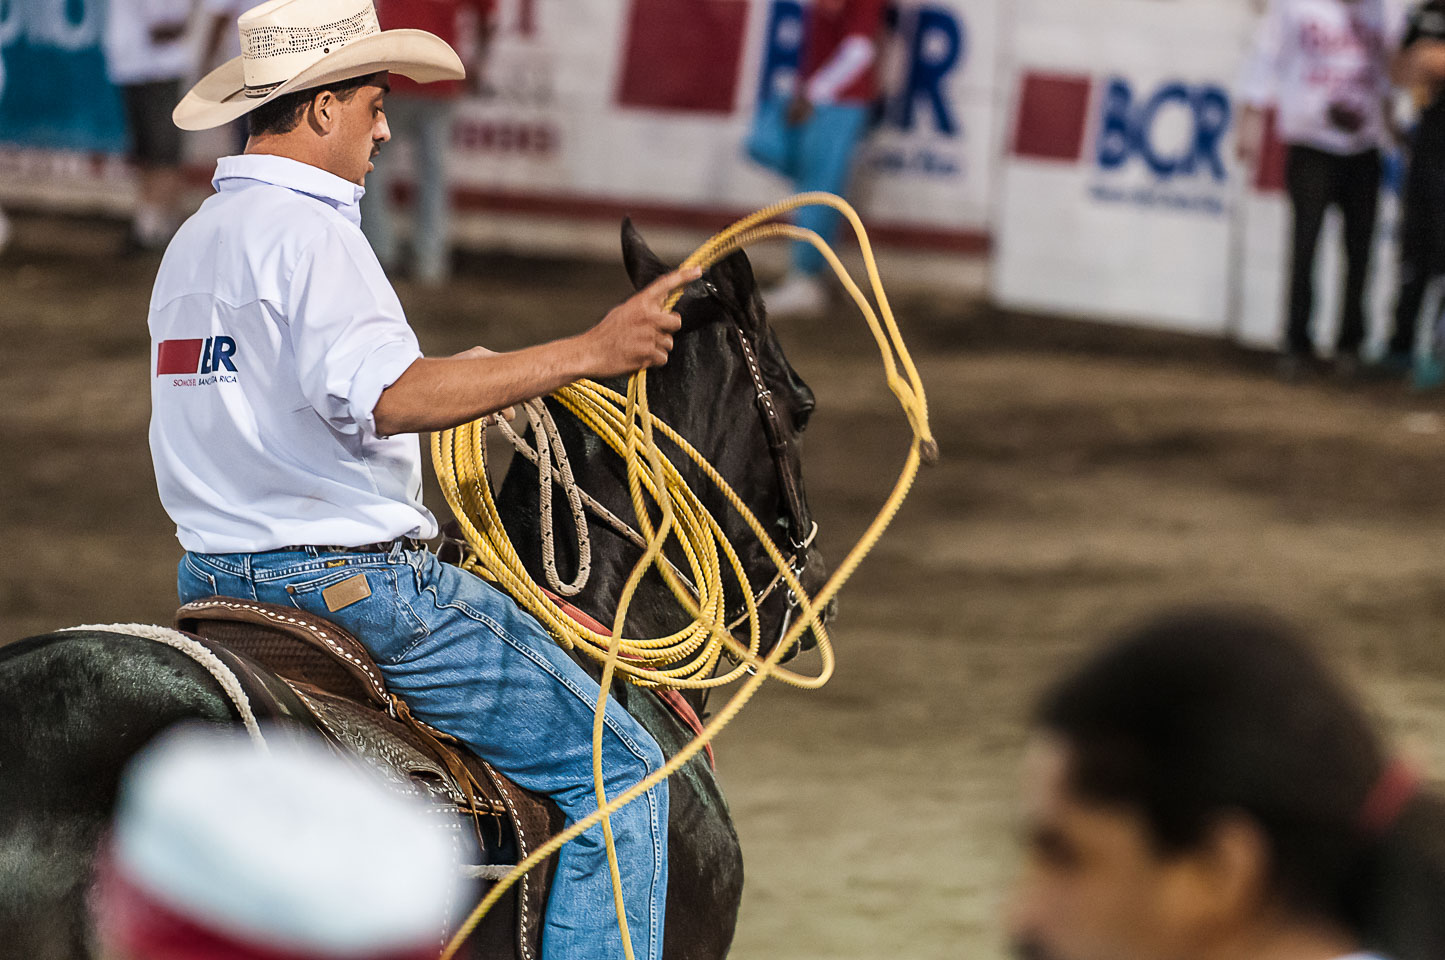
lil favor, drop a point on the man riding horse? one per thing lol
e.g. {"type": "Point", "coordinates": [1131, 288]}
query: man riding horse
{"type": "Point", "coordinates": [286, 399]}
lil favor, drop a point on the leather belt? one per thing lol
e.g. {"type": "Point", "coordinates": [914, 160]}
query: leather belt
{"type": "Point", "coordinates": [383, 546]}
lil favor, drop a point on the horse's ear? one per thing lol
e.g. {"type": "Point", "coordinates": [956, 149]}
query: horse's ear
{"type": "Point", "coordinates": [643, 266]}
{"type": "Point", "coordinates": [734, 273]}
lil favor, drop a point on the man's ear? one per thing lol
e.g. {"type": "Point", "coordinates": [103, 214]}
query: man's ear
{"type": "Point", "coordinates": [322, 114]}
{"type": "Point", "coordinates": [1228, 872]}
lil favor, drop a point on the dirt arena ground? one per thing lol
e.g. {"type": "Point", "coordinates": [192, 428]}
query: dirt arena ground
{"type": "Point", "coordinates": [1089, 476]}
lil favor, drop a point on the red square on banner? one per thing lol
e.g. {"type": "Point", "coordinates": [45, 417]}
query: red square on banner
{"type": "Point", "coordinates": [1052, 116]}
{"type": "Point", "coordinates": [178, 356]}
{"type": "Point", "coordinates": [683, 54]}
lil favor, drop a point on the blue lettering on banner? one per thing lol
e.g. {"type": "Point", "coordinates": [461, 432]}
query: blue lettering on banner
{"type": "Point", "coordinates": [783, 49]}
{"type": "Point", "coordinates": [1186, 172]}
{"type": "Point", "coordinates": [1127, 130]}
{"type": "Point", "coordinates": [935, 44]}
{"type": "Point", "coordinates": [934, 41]}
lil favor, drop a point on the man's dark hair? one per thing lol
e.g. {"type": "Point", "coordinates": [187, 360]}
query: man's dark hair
{"type": "Point", "coordinates": [285, 112]}
{"type": "Point", "coordinates": [1205, 714]}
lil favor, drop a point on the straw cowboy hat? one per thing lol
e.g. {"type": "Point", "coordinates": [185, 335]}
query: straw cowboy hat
{"type": "Point", "coordinates": [289, 45]}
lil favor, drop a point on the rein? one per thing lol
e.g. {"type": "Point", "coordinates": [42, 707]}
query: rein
{"type": "Point", "coordinates": [798, 519]}
{"type": "Point", "coordinates": [626, 424]}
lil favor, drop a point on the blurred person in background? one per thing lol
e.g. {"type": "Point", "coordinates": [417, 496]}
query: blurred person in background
{"type": "Point", "coordinates": [223, 42]}
{"type": "Point", "coordinates": [148, 58]}
{"type": "Point", "coordinates": [1205, 789]}
{"type": "Point", "coordinates": [4, 222]}
{"type": "Point", "coordinates": [420, 117]}
{"type": "Point", "coordinates": [827, 118]}
{"type": "Point", "coordinates": [1323, 65]}
{"type": "Point", "coordinates": [224, 850]}
{"type": "Point", "coordinates": [1420, 69]}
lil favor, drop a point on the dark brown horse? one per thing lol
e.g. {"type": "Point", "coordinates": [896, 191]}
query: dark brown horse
{"type": "Point", "coordinates": [75, 706]}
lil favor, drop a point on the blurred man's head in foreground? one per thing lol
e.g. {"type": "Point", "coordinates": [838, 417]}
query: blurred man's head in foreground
{"type": "Point", "coordinates": [223, 850]}
{"type": "Point", "coordinates": [1205, 788]}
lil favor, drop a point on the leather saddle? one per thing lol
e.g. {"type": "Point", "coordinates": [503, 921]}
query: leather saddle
{"type": "Point", "coordinates": [300, 668]}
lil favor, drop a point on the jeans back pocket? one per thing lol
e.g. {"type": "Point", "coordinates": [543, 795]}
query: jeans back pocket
{"type": "Point", "coordinates": [367, 602]}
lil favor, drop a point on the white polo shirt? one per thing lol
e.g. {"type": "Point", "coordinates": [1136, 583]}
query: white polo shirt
{"type": "Point", "coordinates": [273, 333]}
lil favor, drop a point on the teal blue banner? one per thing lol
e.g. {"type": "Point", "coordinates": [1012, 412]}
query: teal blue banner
{"type": "Point", "coordinates": [55, 94]}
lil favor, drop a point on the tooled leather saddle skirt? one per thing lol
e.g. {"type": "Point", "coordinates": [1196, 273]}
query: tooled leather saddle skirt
{"type": "Point", "coordinates": [300, 668]}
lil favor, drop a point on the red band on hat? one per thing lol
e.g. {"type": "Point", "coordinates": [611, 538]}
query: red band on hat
{"type": "Point", "coordinates": [1387, 799]}
{"type": "Point", "coordinates": [132, 921]}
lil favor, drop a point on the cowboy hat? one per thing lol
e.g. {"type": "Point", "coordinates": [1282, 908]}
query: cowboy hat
{"type": "Point", "coordinates": [289, 45]}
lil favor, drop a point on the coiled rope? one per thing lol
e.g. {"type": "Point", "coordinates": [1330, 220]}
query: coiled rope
{"type": "Point", "coordinates": [686, 658]}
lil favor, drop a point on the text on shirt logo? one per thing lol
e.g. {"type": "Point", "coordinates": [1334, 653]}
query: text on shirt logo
{"type": "Point", "coordinates": [205, 360]}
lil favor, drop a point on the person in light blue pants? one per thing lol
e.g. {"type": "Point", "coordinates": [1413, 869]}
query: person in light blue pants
{"type": "Point", "coordinates": [827, 119]}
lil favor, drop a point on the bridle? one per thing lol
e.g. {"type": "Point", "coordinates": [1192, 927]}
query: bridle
{"type": "Point", "coordinates": [801, 528]}
{"type": "Point", "coordinates": [798, 517]}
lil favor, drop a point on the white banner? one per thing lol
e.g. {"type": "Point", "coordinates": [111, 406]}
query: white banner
{"type": "Point", "coordinates": [1118, 179]}
{"type": "Point", "coordinates": [647, 102]}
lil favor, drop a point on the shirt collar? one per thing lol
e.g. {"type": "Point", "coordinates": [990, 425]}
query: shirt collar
{"type": "Point", "coordinates": [344, 195]}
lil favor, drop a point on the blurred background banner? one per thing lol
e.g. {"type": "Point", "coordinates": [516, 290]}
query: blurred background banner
{"type": "Point", "coordinates": [1070, 156]}
{"type": "Point", "coordinates": [643, 105]}
{"type": "Point", "coordinates": [1119, 184]}
{"type": "Point", "coordinates": [54, 94]}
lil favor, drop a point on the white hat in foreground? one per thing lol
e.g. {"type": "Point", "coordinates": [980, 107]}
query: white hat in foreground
{"type": "Point", "coordinates": [296, 851]}
{"type": "Point", "coordinates": [289, 45]}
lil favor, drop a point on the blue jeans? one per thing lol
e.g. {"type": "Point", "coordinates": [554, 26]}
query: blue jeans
{"type": "Point", "coordinates": [827, 144]}
{"type": "Point", "coordinates": [469, 661]}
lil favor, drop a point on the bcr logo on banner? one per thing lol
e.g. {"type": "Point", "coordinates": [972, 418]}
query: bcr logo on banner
{"type": "Point", "coordinates": [1173, 132]}
{"type": "Point", "coordinates": [933, 40]}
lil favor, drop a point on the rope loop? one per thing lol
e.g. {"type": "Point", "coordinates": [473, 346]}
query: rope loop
{"type": "Point", "coordinates": [685, 659]}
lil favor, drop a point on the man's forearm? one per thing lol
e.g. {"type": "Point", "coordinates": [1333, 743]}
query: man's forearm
{"type": "Point", "coordinates": [438, 393]}
{"type": "Point", "coordinates": [445, 392]}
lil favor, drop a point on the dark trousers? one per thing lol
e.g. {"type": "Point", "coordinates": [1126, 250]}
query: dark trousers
{"type": "Point", "coordinates": [1422, 244]}
{"type": "Point", "coordinates": [1317, 180]}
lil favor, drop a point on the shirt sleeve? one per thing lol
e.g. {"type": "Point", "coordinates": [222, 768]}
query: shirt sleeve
{"type": "Point", "coordinates": [853, 56]}
{"type": "Point", "coordinates": [1259, 80]}
{"type": "Point", "coordinates": [348, 332]}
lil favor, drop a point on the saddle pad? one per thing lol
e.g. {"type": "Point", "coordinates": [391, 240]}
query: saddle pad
{"type": "Point", "coordinates": [329, 673]}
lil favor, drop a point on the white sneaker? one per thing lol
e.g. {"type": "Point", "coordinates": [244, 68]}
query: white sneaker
{"type": "Point", "coordinates": [798, 295]}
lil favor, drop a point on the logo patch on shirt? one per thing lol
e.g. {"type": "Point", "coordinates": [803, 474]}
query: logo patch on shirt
{"type": "Point", "coordinates": [197, 362]}
{"type": "Point", "coordinates": [351, 590]}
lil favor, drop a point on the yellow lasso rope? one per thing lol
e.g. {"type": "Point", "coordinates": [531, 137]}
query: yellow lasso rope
{"type": "Point", "coordinates": [686, 658]}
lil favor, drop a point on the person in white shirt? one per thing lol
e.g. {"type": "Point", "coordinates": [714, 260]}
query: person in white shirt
{"type": "Point", "coordinates": [287, 394]}
{"type": "Point", "coordinates": [147, 56]}
{"type": "Point", "coordinates": [1203, 788]}
{"type": "Point", "coordinates": [1323, 65]}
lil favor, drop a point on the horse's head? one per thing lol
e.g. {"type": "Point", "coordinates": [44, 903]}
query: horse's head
{"type": "Point", "coordinates": [728, 389]}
